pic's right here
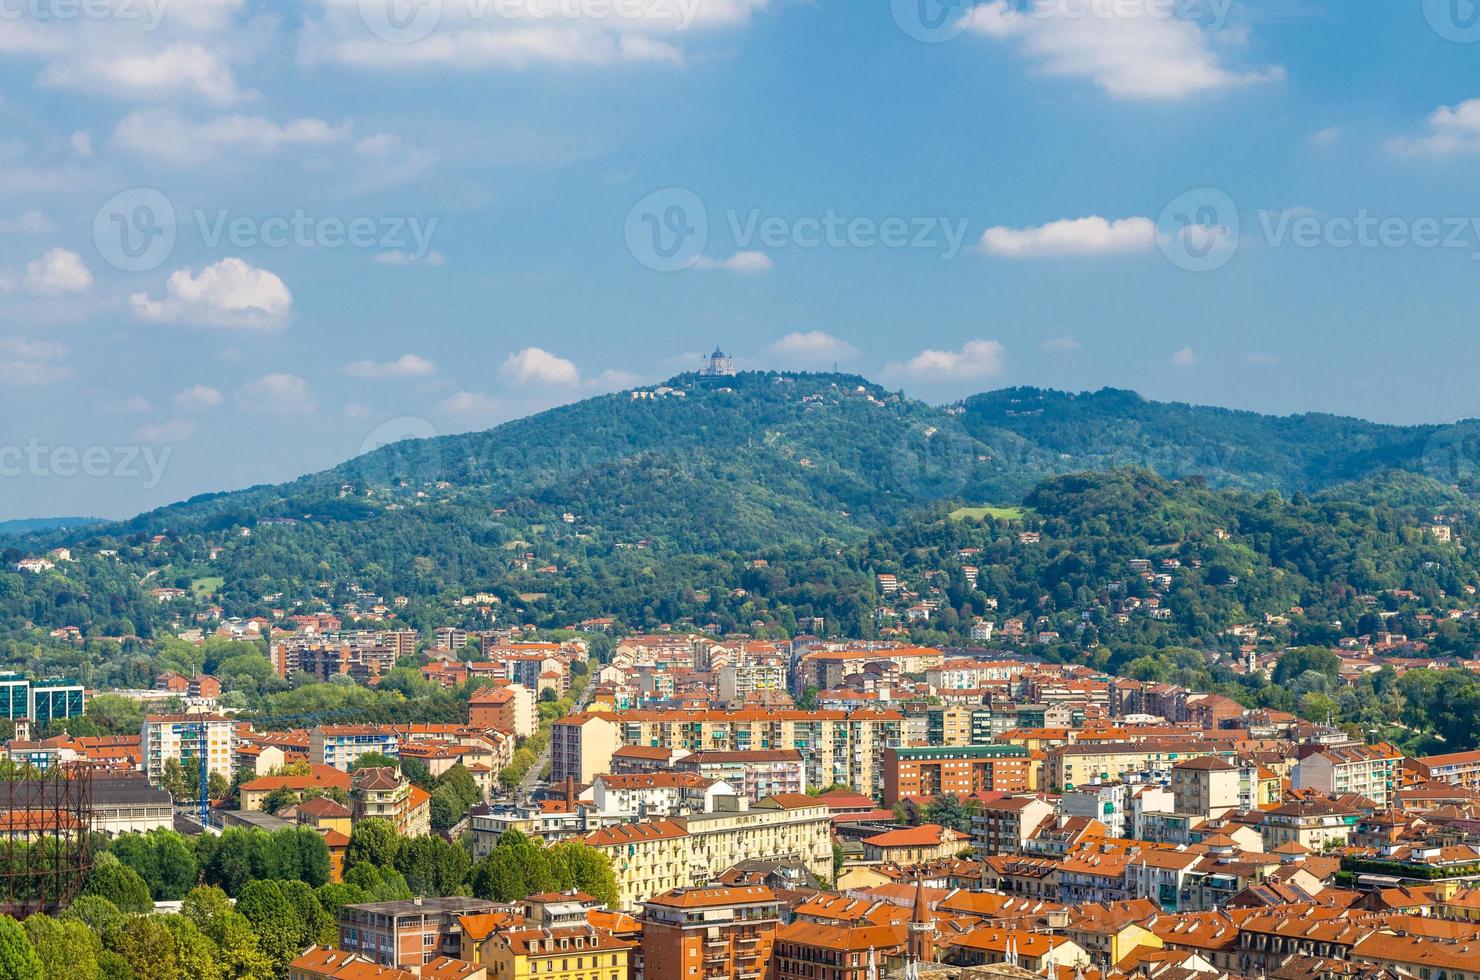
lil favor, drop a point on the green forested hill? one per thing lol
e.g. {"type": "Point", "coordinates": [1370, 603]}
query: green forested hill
{"type": "Point", "coordinates": [656, 508]}
{"type": "Point", "coordinates": [1061, 432]}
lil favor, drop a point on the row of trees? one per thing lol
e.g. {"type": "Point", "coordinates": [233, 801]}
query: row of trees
{"type": "Point", "coordinates": [284, 900]}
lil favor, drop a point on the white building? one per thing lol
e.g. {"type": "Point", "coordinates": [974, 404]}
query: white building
{"type": "Point", "coordinates": [187, 739]}
{"type": "Point", "coordinates": [657, 794]}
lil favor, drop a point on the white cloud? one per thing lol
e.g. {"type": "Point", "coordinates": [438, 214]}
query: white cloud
{"type": "Point", "coordinates": [33, 350]}
{"type": "Point", "coordinates": [405, 366]}
{"type": "Point", "coordinates": [170, 430]}
{"type": "Point", "coordinates": [1325, 137]}
{"type": "Point", "coordinates": [397, 257]}
{"type": "Point", "coordinates": [1061, 345]}
{"type": "Point", "coordinates": [815, 346]}
{"type": "Point", "coordinates": [179, 68]}
{"type": "Point", "coordinates": [975, 359]}
{"type": "Point", "coordinates": [137, 405]}
{"type": "Point", "coordinates": [356, 410]}
{"type": "Point", "coordinates": [33, 362]}
{"type": "Point", "coordinates": [229, 294]}
{"type": "Point", "coordinates": [82, 144]}
{"type": "Point", "coordinates": [164, 135]}
{"type": "Point", "coordinates": [533, 365]}
{"type": "Point", "coordinates": [29, 223]}
{"type": "Point", "coordinates": [1132, 49]}
{"type": "Point", "coordinates": [379, 146]}
{"type": "Point", "coordinates": [1258, 359]}
{"type": "Point", "coordinates": [1075, 237]}
{"type": "Point", "coordinates": [198, 398]}
{"type": "Point", "coordinates": [742, 263]}
{"type": "Point", "coordinates": [57, 273]}
{"type": "Point", "coordinates": [471, 404]}
{"type": "Point", "coordinates": [1185, 358]}
{"type": "Point", "coordinates": [614, 380]}
{"type": "Point", "coordinates": [35, 372]}
{"type": "Point", "coordinates": [1453, 130]}
{"type": "Point", "coordinates": [277, 393]}
{"type": "Point", "coordinates": [473, 35]}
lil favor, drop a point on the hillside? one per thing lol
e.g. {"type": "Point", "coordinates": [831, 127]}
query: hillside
{"type": "Point", "coordinates": [653, 506]}
{"type": "Point", "coordinates": [39, 525]}
{"type": "Point", "coordinates": [1052, 431]}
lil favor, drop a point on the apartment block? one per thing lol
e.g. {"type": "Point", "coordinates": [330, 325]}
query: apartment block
{"type": "Point", "coordinates": [718, 933]}
{"type": "Point", "coordinates": [837, 746]}
{"type": "Point", "coordinates": [187, 739]}
{"type": "Point", "coordinates": [1367, 770]}
{"type": "Point", "coordinates": [408, 934]}
{"type": "Point", "coordinates": [657, 856]}
{"type": "Point", "coordinates": [924, 773]}
{"type": "Point", "coordinates": [755, 774]}
{"type": "Point", "coordinates": [581, 746]}
{"type": "Point", "coordinates": [341, 746]}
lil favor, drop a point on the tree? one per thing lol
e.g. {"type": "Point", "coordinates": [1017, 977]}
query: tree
{"type": "Point", "coordinates": [373, 760]}
{"type": "Point", "coordinates": [18, 958]}
{"type": "Point", "coordinates": [337, 894]}
{"type": "Point", "coordinates": [317, 926]}
{"type": "Point", "coordinates": [68, 949]}
{"type": "Point", "coordinates": [148, 947]}
{"type": "Point", "coordinates": [275, 920]}
{"type": "Point", "coordinates": [418, 773]}
{"type": "Point", "coordinates": [163, 858]}
{"type": "Point", "coordinates": [119, 884]}
{"type": "Point", "coordinates": [579, 865]}
{"type": "Point", "coordinates": [947, 811]}
{"type": "Point", "coordinates": [93, 911]}
{"type": "Point", "coordinates": [236, 943]}
{"type": "Point", "coordinates": [373, 840]}
{"type": "Point", "coordinates": [432, 866]}
{"type": "Point", "coordinates": [194, 951]}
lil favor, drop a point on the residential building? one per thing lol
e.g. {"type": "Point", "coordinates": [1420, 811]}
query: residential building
{"type": "Point", "coordinates": [807, 950]}
{"type": "Point", "coordinates": [1456, 768]}
{"type": "Point", "coordinates": [581, 746]}
{"type": "Point", "coordinates": [408, 934]}
{"type": "Point", "coordinates": [1366, 770]}
{"type": "Point", "coordinates": [838, 746]}
{"type": "Point", "coordinates": [1206, 787]}
{"type": "Point", "coordinates": [341, 746]}
{"type": "Point", "coordinates": [255, 791]}
{"type": "Point", "coordinates": [681, 852]}
{"type": "Point", "coordinates": [658, 794]}
{"type": "Point", "coordinates": [1004, 826]}
{"type": "Point", "coordinates": [916, 845]}
{"type": "Point", "coordinates": [558, 952]}
{"type": "Point", "coordinates": [188, 739]}
{"type": "Point", "coordinates": [924, 773]}
{"type": "Point", "coordinates": [754, 774]}
{"type": "Point", "coordinates": [381, 791]}
{"type": "Point", "coordinates": [719, 933]}
{"type": "Point", "coordinates": [1313, 824]}
{"type": "Point", "coordinates": [511, 708]}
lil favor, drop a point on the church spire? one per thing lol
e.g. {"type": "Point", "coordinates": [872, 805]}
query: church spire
{"type": "Point", "coordinates": [921, 948]}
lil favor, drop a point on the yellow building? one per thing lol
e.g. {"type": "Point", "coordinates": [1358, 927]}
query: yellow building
{"type": "Point", "coordinates": [570, 952]}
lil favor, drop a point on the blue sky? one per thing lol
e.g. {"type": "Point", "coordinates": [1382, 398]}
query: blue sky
{"type": "Point", "coordinates": [1264, 205]}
